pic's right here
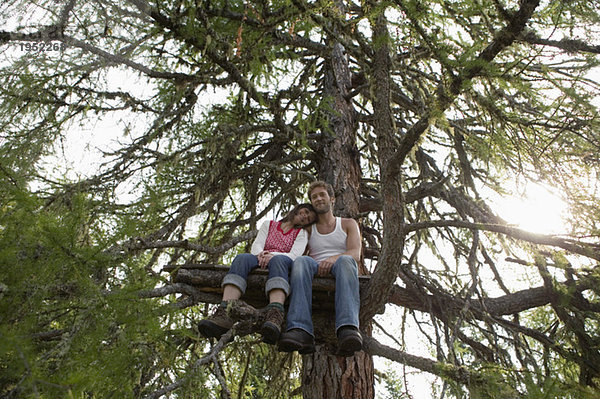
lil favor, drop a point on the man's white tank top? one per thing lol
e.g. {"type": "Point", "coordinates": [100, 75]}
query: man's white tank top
{"type": "Point", "coordinates": [322, 246]}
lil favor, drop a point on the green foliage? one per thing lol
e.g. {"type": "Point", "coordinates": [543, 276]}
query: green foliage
{"type": "Point", "coordinates": [68, 328]}
{"type": "Point", "coordinates": [393, 385]}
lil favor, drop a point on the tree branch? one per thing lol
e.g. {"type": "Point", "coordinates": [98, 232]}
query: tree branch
{"type": "Point", "coordinates": [569, 45]}
{"type": "Point", "coordinates": [584, 249]}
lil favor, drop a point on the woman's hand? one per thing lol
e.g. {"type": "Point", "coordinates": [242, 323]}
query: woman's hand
{"type": "Point", "coordinates": [263, 259]}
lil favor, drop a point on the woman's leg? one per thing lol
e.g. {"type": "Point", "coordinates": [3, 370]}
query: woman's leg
{"type": "Point", "coordinates": [235, 282]}
{"type": "Point", "coordinates": [278, 286]}
{"type": "Point", "coordinates": [277, 289]}
{"type": "Point", "coordinates": [277, 296]}
{"type": "Point", "coordinates": [231, 292]}
{"type": "Point", "coordinates": [234, 285]}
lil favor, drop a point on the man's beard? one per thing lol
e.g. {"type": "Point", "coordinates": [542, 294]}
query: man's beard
{"type": "Point", "coordinates": [326, 208]}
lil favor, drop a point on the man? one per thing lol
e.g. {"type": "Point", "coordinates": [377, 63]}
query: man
{"type": "Point", "coordinates": [334, 247]}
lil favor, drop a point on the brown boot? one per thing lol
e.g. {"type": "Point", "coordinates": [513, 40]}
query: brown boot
{"type": "Point", "coordinates": [216, 324]}
{"type": "Point", "coordinates": [271, 328]}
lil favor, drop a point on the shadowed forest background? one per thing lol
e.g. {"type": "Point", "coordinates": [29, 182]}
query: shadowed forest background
{"type": "Point", "coordinates": [203, 117]}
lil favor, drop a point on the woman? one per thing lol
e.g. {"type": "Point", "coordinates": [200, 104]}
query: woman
{"type": "Point", "coordinates": [276, 246]}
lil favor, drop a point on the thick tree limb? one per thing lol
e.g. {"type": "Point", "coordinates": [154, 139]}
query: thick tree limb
{"type": "Point", "coordinates": [391, 193]}
{"type": "Point", "coordinates": [462, 375]}
{"type": "Point", "coordinates": [207, 278]}
{"type": "Point", "coordinates": [423, 190]}
{"type": "Point", "coordinates": [375, 348]}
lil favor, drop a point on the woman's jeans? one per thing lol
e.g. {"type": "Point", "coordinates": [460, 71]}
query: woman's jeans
{"type": "Point", "coordinates": [279, 269]}
{"type": "Point", "coordinates": [347, 295]}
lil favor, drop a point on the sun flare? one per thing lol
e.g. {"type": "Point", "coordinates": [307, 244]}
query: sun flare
{"type": "Point", "coordinates": [538, 210]}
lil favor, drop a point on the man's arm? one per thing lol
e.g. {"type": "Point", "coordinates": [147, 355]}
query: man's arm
{"type": "Point", "coordinates": [353, 245]}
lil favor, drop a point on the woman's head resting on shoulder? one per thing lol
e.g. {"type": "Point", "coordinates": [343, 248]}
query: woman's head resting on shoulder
{"type": "Point", "coordinates": [301, 216]}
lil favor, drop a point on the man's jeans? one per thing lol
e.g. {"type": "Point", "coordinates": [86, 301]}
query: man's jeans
{"type": "Point", "coordinates": [279, 270]}
{"type": "Point", "coordinates": [347, 296]}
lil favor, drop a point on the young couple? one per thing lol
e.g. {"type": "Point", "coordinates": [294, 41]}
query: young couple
{"type": "Point", "coordinates": [333, 248]}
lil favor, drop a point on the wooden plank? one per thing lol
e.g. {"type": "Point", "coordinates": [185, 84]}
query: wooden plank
{"type": "Point", "coordinates": [207, 278]}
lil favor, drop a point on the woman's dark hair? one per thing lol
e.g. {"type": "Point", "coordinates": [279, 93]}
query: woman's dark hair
{"type": "Point", "coordinates": [290, 215]}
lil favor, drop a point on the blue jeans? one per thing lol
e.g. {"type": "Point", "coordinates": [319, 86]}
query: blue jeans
{"type": "Point", "coordinates": [279, 269]}
{"type": "Point", "coordinates": [347, 295]}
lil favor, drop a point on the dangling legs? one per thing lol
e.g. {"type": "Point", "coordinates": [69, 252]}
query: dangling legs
{"type": "Point", "coordinates": [234, 285]}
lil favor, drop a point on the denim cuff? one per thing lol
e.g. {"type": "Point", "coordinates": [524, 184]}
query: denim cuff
{"type": "Point", "coordinates": [347, 325]}
{"type": "Point", "coordinates": [235, 280]}
{"type": "Point", "coordinates": [277, 283]}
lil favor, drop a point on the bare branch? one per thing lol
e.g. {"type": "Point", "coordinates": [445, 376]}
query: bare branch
{"type": "Point", "coordinates": [569, 45]}
{"type": "Point", "coordinates": [580, 248]}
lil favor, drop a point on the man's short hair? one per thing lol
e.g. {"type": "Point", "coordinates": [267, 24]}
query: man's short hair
{"type": "Point", "coordinates": [321, 183]}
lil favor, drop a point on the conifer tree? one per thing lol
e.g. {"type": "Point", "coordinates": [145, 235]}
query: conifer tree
{"type": "Point", "coordinates": [217, 114]}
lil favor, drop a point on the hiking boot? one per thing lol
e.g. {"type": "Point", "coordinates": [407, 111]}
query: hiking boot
{"type": "Point", "coordinates": [271, 328]}
{"type": "Point", "coordinates": [216, 324]}
{"type": "Point", "coordinates": [296, 339]}
{"type": "Point", "coordinates": [349, 341]}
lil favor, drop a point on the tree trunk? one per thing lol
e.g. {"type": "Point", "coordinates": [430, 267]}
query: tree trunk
{"type": "Point", "coordinates": [337, 155]}
{"type": "Point", "coordinates": [327, 376]}
{"type": "Point", "coordinates": [324, 375]}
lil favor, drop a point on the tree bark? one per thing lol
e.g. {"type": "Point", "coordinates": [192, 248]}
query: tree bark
{"type": "Point", "coordinates": [328, 376]}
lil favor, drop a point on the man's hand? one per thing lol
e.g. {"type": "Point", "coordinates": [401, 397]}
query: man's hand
{"type": "Point", "coordinates": [326, 265]}
{"type": "Point", "coordinates": [263, 259]}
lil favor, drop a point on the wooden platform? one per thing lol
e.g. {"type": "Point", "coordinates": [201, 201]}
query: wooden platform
{"type": "Point", "coordinates": [207, 279]}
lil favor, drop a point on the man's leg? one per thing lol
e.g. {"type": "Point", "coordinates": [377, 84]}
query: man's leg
{"type": "Point", "coordinates": [234, 285]}
{"type": "Point", "coordinates": [347, 305]}
{"type": "Point", "coordinates": [299, 334]}
{"type": "Point", "coordinates": [277, 289]}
